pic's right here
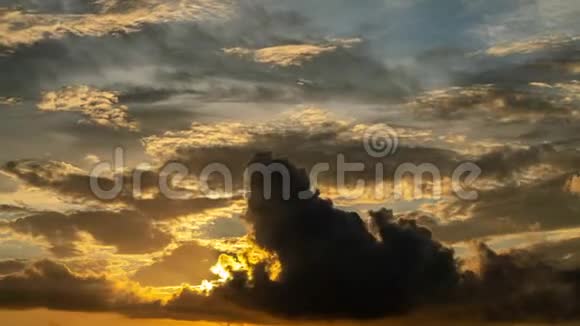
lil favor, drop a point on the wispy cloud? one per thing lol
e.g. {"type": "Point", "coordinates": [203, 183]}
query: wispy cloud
{"type": "Point", "coordinates": [24, 28]}
{"type": "Point", "coordinates": [101, 108]}
{"type": "Point", "coordinates": [532, 45]}
{"type": "Point", "coordinates": [292, 54]}
{"type": "Point", "coordinates": [9, 101]}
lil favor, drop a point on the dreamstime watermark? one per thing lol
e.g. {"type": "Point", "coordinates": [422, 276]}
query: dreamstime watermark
{"type": "Point", "coordinates": [277, 177]}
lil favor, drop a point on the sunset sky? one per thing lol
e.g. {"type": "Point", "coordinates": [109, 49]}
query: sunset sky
{"type": "Point", "coordinates": [494, 84]}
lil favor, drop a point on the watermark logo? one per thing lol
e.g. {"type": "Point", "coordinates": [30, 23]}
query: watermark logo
{"type": "Point", "coordinates": [380, 141]}
{"type": "Point", "coordinates": [407, 180]}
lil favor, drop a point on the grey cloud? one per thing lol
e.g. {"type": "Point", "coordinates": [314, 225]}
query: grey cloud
{"type": "Point", "coordinates": [504, 163]}
{"type": "Point", "coordinates": [168, 60]}
{"type": "Point", "coordinates": [311, 136]}
{"type": "Point", "coordinates": [528, 102]}
{"type": "Point", "coordinates": [51, 285]}
{"type": "Point", "coordinates": [562, 254]}
{"type": "Point", "coordinates": [516, 286]}
{"type": "Point", "coordinates": [74, 184]}
{"type": "Point", "coordinates": [223, 227]}
{"type": "Point", "coordinates": [544, 204]}
{"type": "Point", "coordinates": [129, 232]}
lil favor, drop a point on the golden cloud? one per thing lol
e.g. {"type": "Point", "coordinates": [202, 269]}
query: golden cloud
{"type": "Point", "coordinates": [25, 28]}
{"type": "Point", "coordinates": [290, 55]}
{"type": "Point", "coordinates": [101, 108]}
{"type": "Point", "coordinates": [531, 45]}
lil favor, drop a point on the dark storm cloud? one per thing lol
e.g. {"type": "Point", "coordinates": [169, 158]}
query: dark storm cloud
{"type": "Point", "coordinates": [517, 286]}
{"type": "Point", "coordinates": [129, 232]}
{"type": "Point", "coordinates": [189, 263]}
{"type": "Point", "coordinates": [332, 266]}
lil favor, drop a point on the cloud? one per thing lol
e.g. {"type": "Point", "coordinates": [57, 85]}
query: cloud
{"type": "Point", "coordinates": [509, 163]}
{"type": "Point", "coordinates": [189, 263]}
{"type": "Point", "coordinates": [10, 212]}
{"type": "Point", "coordinates": [61, 177]}
{"type": "Point", "coordinates": [532, 102]}
{"type": "Point", "coordinates": [144, 235]}
{"type": "Point", "coordinates": [11, 266]}
{"type": "Point", "coordinates": [536, 291]}
{"type": "Point", "coordinates": [74, 184]}
{"type": "Point", "coordinates": [333, 266]}
{"type": "Point", "coordinates": [532, 46]}
{"type": "Point", "coordinates": [7, 184]}
{"type": "Point", "coordinates": [562, 254]}
{"type": "Point", "coordinates": [161, 54]}
{"type": "Point", "coordinates": [330, 260]}
{"type": "Point", "coordinates": [223, 228]}
{"type": "Point", "coordinates": [107, 228]}
{"type": "Point", "coordinates": [101, 108]}
{"type": "Point", "coordinates": [314, 136]}
{"type": "Point", "coordinates": [543, 204]}
{"type": "Point", "coordinates": [55, 6]}
{"type": "Point", "coordinates": [573, 184]}
{"type": "Point", "coordinates": [26, 28]}
{"type": "Point", "coordinates": [9, 101]}
{"type": "Point", "coordinates": [51, 285]}
{"type": "Point", "coordinates": [290, 55]}
{"type": "Point", "coordinates": [300, 134]}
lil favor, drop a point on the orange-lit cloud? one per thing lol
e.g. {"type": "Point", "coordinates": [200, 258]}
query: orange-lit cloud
{"type": "Point", "coordinates": [290, 55]}
{"type": "Point", "coordinates": [532, 45]}
{"type": "Point", "coordinates": [101, 108]}
{"type": "Point", "coordinates": [25, 28]}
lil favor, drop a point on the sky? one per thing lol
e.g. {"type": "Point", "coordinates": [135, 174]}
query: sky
{"type": "Point", "coordinates": [174, 96]}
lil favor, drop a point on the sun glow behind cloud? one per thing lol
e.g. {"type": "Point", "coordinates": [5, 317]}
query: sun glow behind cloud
{"type": "Point", "coordinates": [205, 81]}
